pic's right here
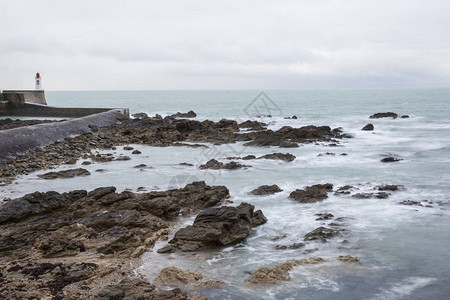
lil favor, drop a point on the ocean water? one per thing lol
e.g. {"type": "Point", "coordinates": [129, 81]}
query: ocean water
{"type": "Point", "coordinates": [403, 250]}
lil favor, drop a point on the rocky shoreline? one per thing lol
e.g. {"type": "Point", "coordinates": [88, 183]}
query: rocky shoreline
{"type": "Point", "coordinates": [87, 244]}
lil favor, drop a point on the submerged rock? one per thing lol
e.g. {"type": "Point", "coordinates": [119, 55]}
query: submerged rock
{"type": "Point", "coordinates": [312, 193]}
{"type": "Point", "coordinates": [216, 165]}
{"type": "Point", "coordinates": [281, 156]}
{"type": "Point", "coordinates": [280, 272]}
{"type": "Point", "coordinates": [65, 174]}
{"type": "Point", "coordinates": [216, 227]}
{"type": "Point", "coordinates": [266, 190]}
{"type": "Point", "coordinates": [390, 159]}
{"type": "Point", "coordinates": [321, 234]}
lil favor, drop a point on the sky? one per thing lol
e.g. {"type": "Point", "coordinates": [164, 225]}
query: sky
{"type": "Point", "coordinates": [184, 44]}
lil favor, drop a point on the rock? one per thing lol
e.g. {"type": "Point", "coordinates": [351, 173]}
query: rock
{"type": "Point", "coordinates": [189, 114]}
{"type": "Point", "coordinates": [65, 174]}
{"type": "Point", "coordinates": [122, 158]}
{"type": "Point", "coordinates": [128, 148]}
{"type": "Point", "coordinates": [390, 187]}
{"type": "Point", "coordinates": [324, 216]}
{"type": "Point", "coordinates": [216, 227]}
{"type": "Point", "coordinates": [253, 125]}
{"type": "Point", "coordinates": [368, 127]}
{"type": "Point", "coordinates": [384, 115]}
{"type": "Point", "coordinates": [210, 284]}
{"type": "Point", "coordinates": [321, 234]}
{"type": "Point", "coordinates": [348, 259]}
{"type": "Point", "coordinates": [128, 288]}
{"type": "Point", "coordinates": [85, 163]}
{"type": "Point", "coordinates": [343, 190]}
{"type": "Point", "coordinates": [266, 190]}
{"type": "Point", "coordinates": [166, 249]}
{"type": "Point", "coordinates": [71, 161]}
{"type": "Point", "coordinates": [140, 115]}
{"type": "Point", "coordinates": [405, 116]}
{"type": "Point", "coordinates": [140, 166]}
{"type": "Point", "coordinates": [216, 165]}
{"type": "Point", "coordinates": [172, 276]}
{"type": "Point", "coordinates": [411, 203]}
{"type": "Point", "coordinates": [186, 164]}
{"type": "Point", "coordinates": [390, 159]}
{"type": "Point", "coordinates": [293, 246]}
{"type": "Point", "coordinates": [258, 218]}
{"type": "Point", "coordinates": [281, 156]}
{"type": "Point", "coordinates": [280, 272]}
{"type": "Point", "coordinates": [136, 152]}
{"type": "Point", "coordinates": [312, 193]}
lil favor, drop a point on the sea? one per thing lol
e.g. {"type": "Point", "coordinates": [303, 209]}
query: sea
{"type": "Point", "coordinates": [404, 250]}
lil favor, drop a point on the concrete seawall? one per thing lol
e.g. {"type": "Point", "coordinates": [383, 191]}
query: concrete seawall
{"type": "Point", "coordinates": [21, 139]}
{"type": "Point", "coordinates": [20, 96]}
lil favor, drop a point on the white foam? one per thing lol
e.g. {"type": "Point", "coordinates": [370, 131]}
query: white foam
{"type": "Point", "coordinates": [403, 289]}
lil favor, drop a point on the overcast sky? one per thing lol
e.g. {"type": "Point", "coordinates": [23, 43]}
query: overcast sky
{"type": "Point", "coordinates": [147, 45]}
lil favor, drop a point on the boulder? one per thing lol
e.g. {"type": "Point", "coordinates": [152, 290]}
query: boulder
{"type": "Point", "coordinates": [216, 227]}
{"type": "Point", "coordinates": [368, 127]}
{"type": "Point", "coordinates": [266, 190]}
{"type": "Point", "coordinates": [384, 115]}
{"type": "Point", "coordinates": [312, 193]}
{"type": "Point", "coordinates": [321, 234]}
{"type": "Point", "coordinates": [65, 174]}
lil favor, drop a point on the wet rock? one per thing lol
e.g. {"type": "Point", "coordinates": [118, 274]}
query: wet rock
{"type": "Point", "coordinates": [216, 165]}
{"type": "Point", "coordinates": [348, 259]}
{"type": "Point", "coordinates": [186, 164]}
{"type": "Point", "coordinates": [216, 227]}
{"type": "Point", "coordinates": [71, 161]}
{"type": "Point", "coordinates": [411, 203]}
{"type": "Point", "coordinates": [136, 152]}
{"type": "Point", "coordinates": [382, 195]}
{"type": "Point", "coordinates": [266, 190]}
{"type": "Point", "coordinates": [129, 148]}
{"type": "Point", "coordinates": [140, 166]}
{"type": "Point", "coordinates": [173, 276]}
{"type": "Point", "coordinates": [65, 174]}
{"type": "Point", "coordinates": [324, 216]}
{"type": "Point", "coordinates": [122, 158]}
{"type": "Point", "coordinates": [390, 159]}
{"type": "Point", "coordinates": [312, 193]}
{"type": "Point", "coordinates": [343, 190]}
{"type": "Point", "coordinates": [405, 116]}
{"type": "Point", "coordinates": [368, 127]}
{"type": "Point", "coordinates": [321, 234]}
{"type": "Point", "coordinates": [293, 246]}
{"type": "Point", "coordinates": [384, 115]}
{"type": "Point", "coordinates": [258, 218]}
{"type": "Point", "coordinates": [280, 272]}
{"type": "Point", "coordinates": [363, 195]}
{"type": "Point", "coordinates": [390, 187]}
{"type": "Point", "coordinates": [253, 125]}
{"type": "Point", "coordinates": [281, 156]}
{"type": "Point", "coordinates": [210, 284]}
{"type": "Point", "coordinates": [85, 163]}
{"type": "Point", "coordinates": [140, 115]}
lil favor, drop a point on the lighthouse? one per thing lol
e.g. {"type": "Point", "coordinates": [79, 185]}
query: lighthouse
{"type": "Point", "coordinates": [38, 81]}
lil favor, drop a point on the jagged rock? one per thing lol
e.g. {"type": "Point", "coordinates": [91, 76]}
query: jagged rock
{"type": "Point", "coordinates": [210, 284]}
{"type": "Point", "coordinates": [281, 156]}
{"type": "Point", "coordinates": [368, 127]}
{"type": "Point", "coordinates": [128, 288]}
{"type": "Point", "coordinates": [65, 174]}
{"type": "Point", "coordinates": [384, 115]}
{"type": "Point", "coordinates": [266, 190]}
{"type": "Point", "coordinates": [215, 227]}
{"type": "Point", "coordinates": [321, 234]}
{"type": "Point", "coordinates": [312, 193]}
{"type": "Point", "coordinates": [324, 216]}
{"type": "Point", "coordinates": [253, 125]}
{"type": "Point", "coordinates": [280, 272]}
{"type": "Point", "coordinates": [343, 190]}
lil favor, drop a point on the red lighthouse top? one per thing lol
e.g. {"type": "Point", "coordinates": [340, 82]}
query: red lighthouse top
{"type": "Point", "coordinates": [38, 75]}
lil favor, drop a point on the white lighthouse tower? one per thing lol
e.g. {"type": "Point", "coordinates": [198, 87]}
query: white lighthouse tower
{"type": "Point", "coordinates": [38, 81]}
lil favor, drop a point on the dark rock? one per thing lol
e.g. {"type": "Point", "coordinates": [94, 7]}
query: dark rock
{"type": "Point", "coordinates": [189, 114]}
{"type": "Point", "coordinates": [321, 234]}
{"type": "Point", "coordinates": [266, 190]}
{"type": "Point", "coordinates": [121, 158]}
{"type": "Point", "coordinates": [65, 174]}
{"type": "Point", "coordinates": [128, 148]}
{"type": "Point", "coordinates": [186, 164]}
{"type": "Point", "coordinates": [281, 156]}
{"type": "Point", "coordinates": [382, 195]}
{"type": "Point", "coordinates": [136, 152]}
{"type": "Point", "coordinates": [324, 216]}
{"type": "Point", "coordinates": [216, 165]}
{"type": "Point", "coordinates": [216, 227]}
{"type": "Point", "coordinates": [312, 193]}
{"type": "Point", "coordinates": [384, 115]}
{"type": "Point", "coordinates": [390, 159]}
{"type": "Point", "coordinates": [390, 187]}
{"type": "Point", "coordinates": [405, 116]}
{"type": "Point", "coordinates": [363, 195]}
{"type": "Point", "coordinates": [258, 218]}
{"type": "Point", "coordinates": [253, 125]}
{"type": "Point", "coordinates": [411, 203]}
{"type": "Point", "coordinates": [368, 127]}
{"type": "Point", "coordinates": [293, 246]}
{"type": "Point", "coordinates": [343, 190]}
{"type": "Point", "coordinates": [129, 288]}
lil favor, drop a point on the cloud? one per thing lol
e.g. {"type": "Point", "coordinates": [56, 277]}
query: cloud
{"type": "Point", "coordinates": [226, 44]}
